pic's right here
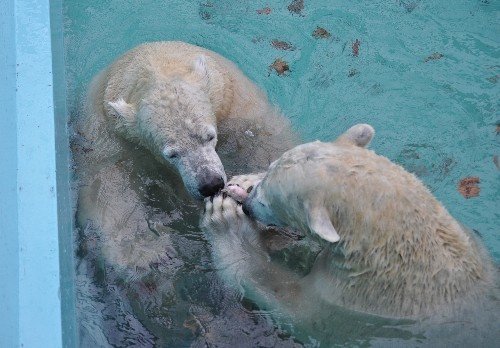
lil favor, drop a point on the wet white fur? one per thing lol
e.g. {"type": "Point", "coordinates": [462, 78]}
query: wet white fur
{"type": "Point", "coordinates": [399, 253]}
{"type": "Point", "coordinates": [167, 103]}
{"type": "Point", "coordinates": [405, 255]}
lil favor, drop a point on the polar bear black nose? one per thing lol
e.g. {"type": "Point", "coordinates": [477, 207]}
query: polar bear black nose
{"type": "Point", "coordinates": [211, 186]}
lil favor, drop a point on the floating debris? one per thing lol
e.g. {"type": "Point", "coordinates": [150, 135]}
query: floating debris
{"type": "Point", "coordinates": [355, 47]}
{"type": "Point", "coordinates": [321, 33]}
{"type": "Point", "coordinates": [494, 79]}
{"type": "Point", "coordinates": [205, 10]}
{"type": "Point", "coordinates": [497, 163]}
{"type": "Point", "coordinates": [205, 15]}
{"type": "Point", "coordinates": [296, 6]}
{"type": "Point", "coordinates": [282, 45]}
{"type": "Point", "coordinates": [280, 66]}
{"type": "Point", "coordinates": [265, 11]}
{"type": "Point", "coordinates": [434, 56]}
{"type": "Point", "coordinates": [409, 6]}
{"type": "Point", "coordinates": [352, 72]}
{"type": "Point", "coordinates": [497, 130]}
{"type": "Point", "coordinates": [468, 186]}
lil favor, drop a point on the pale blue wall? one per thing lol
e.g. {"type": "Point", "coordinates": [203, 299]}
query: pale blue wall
{"type": "Point", "coordinates": [34, 202]}
{"type": "Point", "coordinates": [9, 241]}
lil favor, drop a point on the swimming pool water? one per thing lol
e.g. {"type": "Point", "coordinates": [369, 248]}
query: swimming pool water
{"type": "Point", "coordinates": [425, 74]}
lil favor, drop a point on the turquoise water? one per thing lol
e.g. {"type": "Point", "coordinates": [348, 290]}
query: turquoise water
{"type": "Point", "coordinates": [425, 74]}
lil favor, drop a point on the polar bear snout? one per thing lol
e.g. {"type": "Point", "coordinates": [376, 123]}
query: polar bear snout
{"type": "Point", "coordinates": [202, 172]}
{"type": "Point", "coordinates": [211, 185]}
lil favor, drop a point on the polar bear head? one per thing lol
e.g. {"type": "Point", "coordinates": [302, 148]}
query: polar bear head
{"type": "Point", "coordinates": [173, 117]}
{"type": "Point", "coordinates": [296, 190]}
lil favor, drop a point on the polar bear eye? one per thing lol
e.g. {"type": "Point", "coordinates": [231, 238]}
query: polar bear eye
{"type": "Point", "coordinates": [210, 137]}
{"type": "Point", "coordinates": [210, 134]}
{"type": "Point", "coordinates": [170, 154]}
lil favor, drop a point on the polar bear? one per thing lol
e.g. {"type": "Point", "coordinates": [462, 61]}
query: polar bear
{"type": "Point", "coordinates": [387, 246]}
{"type": "Point", "coordinates": [146, 144]}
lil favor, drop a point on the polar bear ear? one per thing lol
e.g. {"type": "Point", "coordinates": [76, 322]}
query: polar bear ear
{"type": "Point", "coordinates": [123, 109]}
{"type": "Point", "coordinates": [200, 69]}
{"type": "Point", "coordinates": [359, 135]}
{"type": "Point", "coordinates": [320, 223]}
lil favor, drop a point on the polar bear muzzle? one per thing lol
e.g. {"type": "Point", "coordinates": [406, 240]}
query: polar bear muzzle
{"type": "Point", "coordinates": [202, 172]}
{"type": "Point", "coordinates": [205, 183]}
{"type": "Point", "coordinates": [211, 185]}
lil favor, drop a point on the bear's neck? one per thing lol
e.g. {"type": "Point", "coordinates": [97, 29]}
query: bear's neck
{"type": "Point", "coordinates": [220, 92]}
{"type": "Point", "coordinates": [438, 265]}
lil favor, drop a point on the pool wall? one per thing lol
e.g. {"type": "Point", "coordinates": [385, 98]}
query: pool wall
{"type": "Point", "coordinates": [37, 291]}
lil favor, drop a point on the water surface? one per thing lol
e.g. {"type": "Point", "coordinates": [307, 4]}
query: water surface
{"type": "Point", "coordinates": [425, 74]}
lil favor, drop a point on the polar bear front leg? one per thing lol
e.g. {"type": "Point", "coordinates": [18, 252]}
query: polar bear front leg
{"type": "Point", "coordinates": [128, 243]}
{"type": "Point", "coordinates": [237, 248]}
{"type": "Point", "coordinates": [242, 259]}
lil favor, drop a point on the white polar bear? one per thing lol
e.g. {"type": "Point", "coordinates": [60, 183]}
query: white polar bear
{"type": "Point", "coordinates": [388, 246]}
{"type": "Point", "coordinates": [156, 112]}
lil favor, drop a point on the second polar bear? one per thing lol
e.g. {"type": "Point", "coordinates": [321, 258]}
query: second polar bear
{"type": "Point", "coordinates": [388, 247]}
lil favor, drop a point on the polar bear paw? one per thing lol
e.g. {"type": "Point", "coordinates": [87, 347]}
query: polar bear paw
{"type": "Point", "coordinates": [224, 216]}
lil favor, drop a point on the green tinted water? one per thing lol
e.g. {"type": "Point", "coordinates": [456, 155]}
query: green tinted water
{"type": "Point", "coordinates": [425, 74]}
